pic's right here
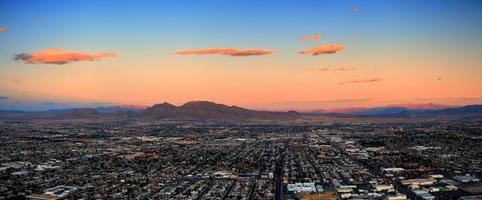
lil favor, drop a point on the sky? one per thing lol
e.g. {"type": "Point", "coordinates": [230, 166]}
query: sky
{"type": "Point", "coordinates": [265, 55]}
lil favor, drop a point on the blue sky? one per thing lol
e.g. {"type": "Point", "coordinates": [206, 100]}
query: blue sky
{"type": "Point", "coordinates": [432, 36]}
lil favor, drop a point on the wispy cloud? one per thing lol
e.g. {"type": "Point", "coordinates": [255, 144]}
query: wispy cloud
{"type": "Point", "coordinates": [355, 9]}
{"type": "Point", "coordinates": [323, 49]}
{"type": "Point", "coordinates": [3, 98]}
{"type": "Point", "coordinates": [323, 69]}
{"type": "Point", "coordinates": [313, 38]}
{"type": "Point", "coordinates": [3, 29]}
{"type": "Point", "coordinates": [59, 56]}
{"type": "Point", "coordinates": [225, 51]}
{"type": "Point", "coordinates": [370, 80]}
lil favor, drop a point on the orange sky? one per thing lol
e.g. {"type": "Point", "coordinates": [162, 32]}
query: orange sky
{"type": "Point", "coordinates": [311, 56]}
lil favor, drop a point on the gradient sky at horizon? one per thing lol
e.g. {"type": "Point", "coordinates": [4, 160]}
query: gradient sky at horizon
{"type": "Point", "coordinates": [396, 52]}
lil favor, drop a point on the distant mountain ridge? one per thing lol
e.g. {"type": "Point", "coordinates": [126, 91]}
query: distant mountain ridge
{"type": "Point", "coordinates": [73, 113]}
{"type": "Point", "coordinates": [206, 110]}
{"type": "Point", "coordinates": [384, 110]}
{"type": "Point", "coordinates": [472, 110]}
{"type": "Point", "coordinates": [122, 108]}
{"type": "Point", "coordinates": [82, 113]}
{"type": "Point", "coordinates": [200, 110]}
{"type": "Point", "coordinates": [210, 110]}
{"type": "Point", "coordinates": [426, 106]}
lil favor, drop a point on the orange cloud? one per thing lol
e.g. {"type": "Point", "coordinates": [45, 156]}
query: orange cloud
{"type": "Point", "coordinates": [313, 38]}
{"type": "Point", "coordinates": [371, 80]}
{"type": "Point", "coordinates": [226, 51]}
{"type": "Point", "coordinates": [3, 29]}
{"type": "Point", "coordinates": [323, 49]}
{"type": "Point", "coordinates": [59, 56]}
{"type": "Point", "coordinates": [340, 69]}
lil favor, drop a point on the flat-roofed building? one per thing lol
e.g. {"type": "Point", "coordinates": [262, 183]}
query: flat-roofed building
{"type": "Point", "coordinates": [466, 179]}
{"type": "Point", "coordinates": [417, 182]}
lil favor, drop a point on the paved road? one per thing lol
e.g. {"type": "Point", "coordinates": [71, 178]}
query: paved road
{"type": "Point", "coordinates": [229, 189]}
{"type": "Point", "coordinates": [279, 174]}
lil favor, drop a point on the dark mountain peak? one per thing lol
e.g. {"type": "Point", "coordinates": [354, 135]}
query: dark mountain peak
{"type": "Point", "coordinates": [162, 109]}
{"type": "Point", "coordinates": [208, 110]}
{"type": "Point", "coordinates": [194, 104]}
{"type": "Point", "coordinates": [130, 106]}
{"type": "Point", "coordinates": [211, 106]}
{"type": "Point", "coordinates": [163, 105]}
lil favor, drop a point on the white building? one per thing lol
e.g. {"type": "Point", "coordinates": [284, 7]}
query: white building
{"type": "Point", "coordinates": [302, 187]}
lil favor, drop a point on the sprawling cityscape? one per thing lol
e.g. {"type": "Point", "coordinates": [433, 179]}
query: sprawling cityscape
{"type": "Point", "coordinates": [186, 159]}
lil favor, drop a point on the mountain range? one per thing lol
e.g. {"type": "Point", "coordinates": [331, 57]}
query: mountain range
{"type": "Point", "coordinates": [414, 110]}
{"type": "Point", "coordinates": [209, 110]}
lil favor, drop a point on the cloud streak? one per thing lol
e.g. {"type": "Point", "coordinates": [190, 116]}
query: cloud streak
{"type": "Point", "coordinates": [60, 57]}
{"type": "Point", "coordinates": [323, 49]}
{"type": "Point", "coordinates": [313, 38]}
{"type": "Point", "coordinates": [323, 69]}
{"type": "Point", "coordinates": [370, 80]}
{"type": "Point", "coordinates": [226, 52]}
{"type": "Point", "coordinates": [3, 29]}
{"type": "Point", "coordinates": [3, 98]}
